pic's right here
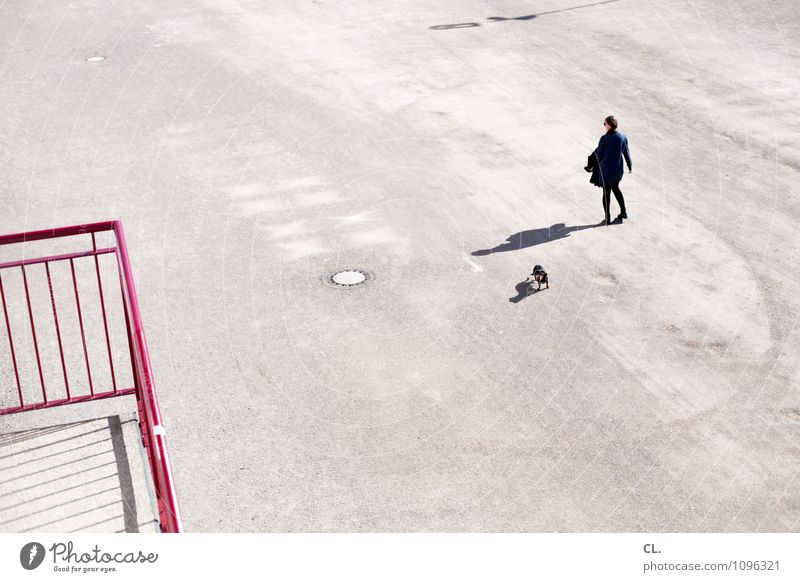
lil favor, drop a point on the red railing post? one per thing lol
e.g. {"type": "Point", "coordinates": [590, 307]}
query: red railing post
{"type": "Point", "coordinates": [33, 332]}
{"type": "Point", "coordinates": [11, 341]}
{"type": "Point", "coordinates": [105, 319]}
{"type": "Point", "coordinates": [58, 330]}
{"type": "Point", "coordinates": [156, 435]}
{"type": "Point", "coordinates": [80, 323]}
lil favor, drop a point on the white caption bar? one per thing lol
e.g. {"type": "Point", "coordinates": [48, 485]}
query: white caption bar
{"type": "Point", "coordinates": [400, 557]}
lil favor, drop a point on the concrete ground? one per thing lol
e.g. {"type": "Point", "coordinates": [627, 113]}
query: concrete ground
{"type": "Point", "coordinates": [251, 148]}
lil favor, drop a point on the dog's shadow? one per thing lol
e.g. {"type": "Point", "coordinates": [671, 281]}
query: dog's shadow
{"type": "Point", "coordinates": [524, 289]}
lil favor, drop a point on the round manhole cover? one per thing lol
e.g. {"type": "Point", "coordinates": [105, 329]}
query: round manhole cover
{"type": "Point", "coordinates": [348, 278]}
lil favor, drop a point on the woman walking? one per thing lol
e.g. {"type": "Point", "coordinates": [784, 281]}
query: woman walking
{"type": "Point", "coordinates": [612, 148]}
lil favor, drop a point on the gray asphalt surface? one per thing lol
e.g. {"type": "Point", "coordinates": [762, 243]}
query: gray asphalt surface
{"type": "Point", "coordinates": [252, 148]}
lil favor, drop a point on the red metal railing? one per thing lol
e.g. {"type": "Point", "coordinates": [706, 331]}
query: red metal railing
{"type": "Point", "coordinates": [153, 434]}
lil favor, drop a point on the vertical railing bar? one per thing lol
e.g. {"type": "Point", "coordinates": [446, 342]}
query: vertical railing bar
{"type": "Point", "coordinates": [105, 319]}
{"type": "Point", "coordinates": [33, 332]}
{"type": "Point", "coordinates": [80, 323]}
{"type": "Point", "coordinates": [58, 329]}
{"type": "Point", "coordinates": [127, 322]}
{"type": "Point", "coordinates": [11, 341]}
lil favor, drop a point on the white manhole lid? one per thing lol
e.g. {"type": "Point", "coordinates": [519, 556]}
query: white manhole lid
{"type": "Point", "coordinates": [348, 278]}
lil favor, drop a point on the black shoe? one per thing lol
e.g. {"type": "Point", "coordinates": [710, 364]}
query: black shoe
{"type": "Point", "coordinates": [623, 215]}
{"type": "Point", "coordinates": [619, 218]}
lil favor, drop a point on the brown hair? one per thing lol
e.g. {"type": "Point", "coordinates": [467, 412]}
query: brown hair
{"type": "Point", "coordinates": [612, 122]}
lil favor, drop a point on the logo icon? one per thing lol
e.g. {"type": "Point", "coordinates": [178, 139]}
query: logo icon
{"type": "Point", "coordinates": [31, 555]}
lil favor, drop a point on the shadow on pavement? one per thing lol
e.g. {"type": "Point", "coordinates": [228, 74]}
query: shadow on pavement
{"type": "Point", "coordinates": [524, 289]}
{"type": "Point", "coordinates": [537, 236]}
{"type": "Point", "coordinates": [68, 477]}
{"type": "Point", "coordinates": [526, 17]}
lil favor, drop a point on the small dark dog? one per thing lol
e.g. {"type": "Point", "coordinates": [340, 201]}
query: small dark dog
{"type": "Point", "coordinates": [539, 276]}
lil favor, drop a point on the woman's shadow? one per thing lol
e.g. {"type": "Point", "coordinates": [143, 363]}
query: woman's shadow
{"type": "Point", "coordinates": [531, 238]}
